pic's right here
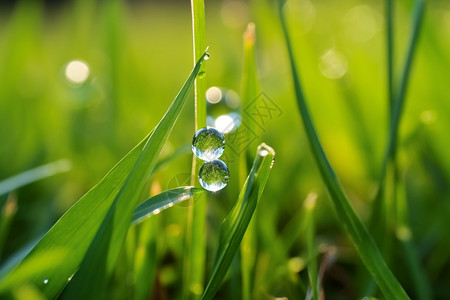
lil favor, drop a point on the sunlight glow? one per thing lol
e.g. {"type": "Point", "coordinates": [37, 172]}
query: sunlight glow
{"type": "Point", "coordinates": [77, 71]}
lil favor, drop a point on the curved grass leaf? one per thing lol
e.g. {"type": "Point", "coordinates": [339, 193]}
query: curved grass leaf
{"type": "Point", "coordinates": [75, 230]}
{"type": "Point", "coordinates": [162, 201]}
{"type": "Point", "coordinates": [364, 243]}
{"type": "Point", "coordinates": [236, 223]}
{"type": "Point", "coordinates": [90, 281]}
{"type": "Point", "coordinates": [35, 174]}
{"type": "Point", "coordinates": [72, 233]}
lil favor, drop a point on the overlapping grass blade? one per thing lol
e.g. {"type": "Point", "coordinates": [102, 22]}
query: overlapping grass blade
{"type": "Point", "coordinates": [162, 201]}
{"type": "Point", "coordinates": [364, 243]}
{"type": "Point", "coordinates": [35, 174]}
{"type": "Point", "coordinates": [72, 234]}
{"type": "Point", "coordinates": [236, 223]}
{"type": "Point", "coordinates": [75, 230]}
{"type": "Point", "coordinates": [89, 282]}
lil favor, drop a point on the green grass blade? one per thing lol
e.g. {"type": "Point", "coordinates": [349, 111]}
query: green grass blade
{"type": "Point", "coordinates": [250, 89]}
{"type": "Point", "coordinates": [235, 224]}
{"type": "Point", "coordinates": [312, 259]}
{"type": "Point", "coordinates": [390, 52]}
{"type": "Point", "coordinates": [194, 262]}
{"type": "Point", "coordinates": [365, 245]}
{"type": "Point", "coordinates": [400, 91]}
{"type": "Point", "coordinates": [35, 174]}
{"type": "Point", "coordinates": [146, 260]}
{"type": "Point", "coordinates": [89, 282]}
{"type": "Point", "coordinates": [162, 201]}
{"type": "Point", "coordinates": [72, 234]}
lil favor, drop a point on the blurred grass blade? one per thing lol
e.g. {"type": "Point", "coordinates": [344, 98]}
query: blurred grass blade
{"type": "Point", "coordinates": [235, 224]}
{"type": "Point", "coordinates": [73, 232]}
{"type": "Point", "coordinates": [162, 201]}
{"type": "Point", "coordinates": [90, 281]}
{"type": "Point", "coordinates": [35, 174]}
{"type": "Point", "coordinates": [363, 242]}
{"type": "Point", "coordinates": [250, 88]}
{"type": "Point", "coordinates": [310, 204]}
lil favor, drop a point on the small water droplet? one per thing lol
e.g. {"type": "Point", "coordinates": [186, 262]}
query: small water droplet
{"type": "Point", "coordinates": [207, 56]}
{"type": "Point", "coordinates": [214, 175]}
{"type": "Point", "coordinates": [263, 152]}
{"type": "Point", "coordinates": [208, 144]}
{"type": "Point", "coordinates": [45, 281]}
{"type": "Point", "coordinates": [201, 75]}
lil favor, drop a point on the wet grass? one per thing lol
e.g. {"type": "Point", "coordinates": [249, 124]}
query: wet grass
{"type": "Point", "coordinates": [354, 98]}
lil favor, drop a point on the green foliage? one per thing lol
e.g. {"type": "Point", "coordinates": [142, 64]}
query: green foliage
{"type": "Point", "coordinates": [375, 78]}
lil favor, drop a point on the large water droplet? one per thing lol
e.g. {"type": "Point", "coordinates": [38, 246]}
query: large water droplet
{"type": "Point", "coordinates": [214, 175]}
{"type": "Point", "coordinates": [208, 144]}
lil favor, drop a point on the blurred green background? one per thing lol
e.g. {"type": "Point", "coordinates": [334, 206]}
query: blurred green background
{"type": "Point", "coordinates": [138, 54]}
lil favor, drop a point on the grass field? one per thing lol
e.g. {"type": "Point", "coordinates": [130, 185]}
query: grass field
{"type": "Point", "coordinates": [353, 101]}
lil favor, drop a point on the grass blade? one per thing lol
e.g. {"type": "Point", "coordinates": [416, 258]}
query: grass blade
{"type": "Point", "coordinates": [235, 224]}
{"type": "Point", "coordinates": [85, 216]}
{"type": "Point", "coordinates": [194, 263]}
{"type": "Point", "coordinates": [162, 201]}
{"type": "Point", "coordinates": [89, 282]}
{"type": "Point", "coordinates": [310, 204]}
{"type": "Point", "coordinates": [250, 88]}
{"type": "Point", "coordinates": [363, 242]}
{"type": "Point", "coordinates": [35, 174]}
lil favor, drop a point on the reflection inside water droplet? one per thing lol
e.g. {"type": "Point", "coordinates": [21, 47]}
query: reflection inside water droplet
{"type": "Point", "coordinates": [214, 175]}
{"type": "Point", "coordinates": [208, 144]}
{"type": "Point", "coordinates": [45, 281]}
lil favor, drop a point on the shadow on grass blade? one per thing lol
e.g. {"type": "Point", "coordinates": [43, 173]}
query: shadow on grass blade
{"type": "Point", "coordinates": [236, 223]}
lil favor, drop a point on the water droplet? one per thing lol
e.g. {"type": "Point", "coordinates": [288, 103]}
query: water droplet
{"type": "Point", "coordinates": [214, 175]}
{"type": "Point", "coordinates": [207, 56]}
{"type": "Point", "coordinates": [208, 144]}
{"type": "Point", "coordinates": [263, 152]}
{"type": "Point", "coordinates": [45, 281]}
{"type": "Point", "coordinates": [201, 75]}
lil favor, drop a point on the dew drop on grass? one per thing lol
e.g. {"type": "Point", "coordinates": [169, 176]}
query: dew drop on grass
{"type": "Point", "coordinates": [207, 56]}
{"type": "Point", "coordinates": [45, 281]}
{"type": "Point", "coordinates": [208, 144]}
{"type": "Point", "coordinates": [214, 175]}
{"type": "Point", "coordinates": [201, 75]}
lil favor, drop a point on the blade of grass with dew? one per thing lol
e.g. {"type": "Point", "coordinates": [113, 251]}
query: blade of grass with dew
{"type": "Point", "coordinates": [235, 224]}
{"type": "Point", "coordinates": [250, 87]}
{"type": "Point", "coordinates": [312, 259]}
{"type": "Point", "coordinates": [364, 243]}
{"type": "Point", "coordinates": [12, 183]}
{"type": "Point", "coordinates": [72, 233]}
{"type": "Point", "coordinates": [163, 200]}
{"type": "Point", "coordinates": [91, 279]}
{"type": "Point", "coordinates": [194, 262]}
